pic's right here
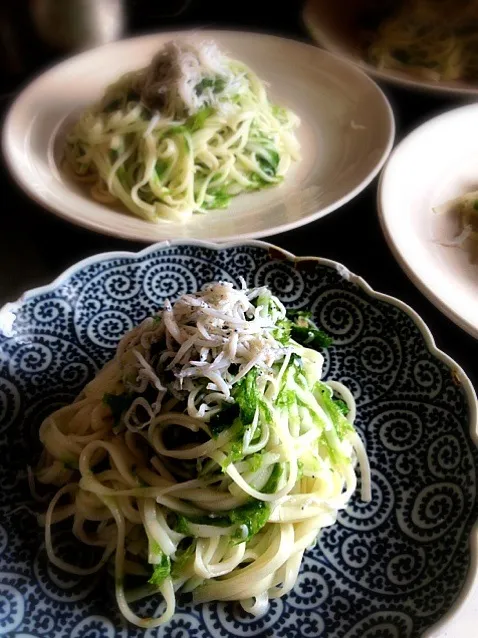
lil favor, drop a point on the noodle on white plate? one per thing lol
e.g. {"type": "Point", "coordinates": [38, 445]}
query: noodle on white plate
{"type": "Point", "coordinates": [207, 455]}
{"type": "Point", "coordinates": [465, 209]}
{"type": "Point", "coordinates": [431, 39]}
{"type": "Point", "coordinates": [183, 135]}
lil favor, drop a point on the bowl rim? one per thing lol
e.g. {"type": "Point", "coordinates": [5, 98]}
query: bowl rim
{"type": "Point", "coordinates": [75, 218]}
{"type": "Point", "coordinates": [7, 313]}
{"type": "Point", "coordinates": [402, 79]}
{"type": "Point", "coordinates": [384, 219]}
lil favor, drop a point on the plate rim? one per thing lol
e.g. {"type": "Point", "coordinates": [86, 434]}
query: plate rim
{"type": "Point", "coordinates": [395, 77]}
{"type": "Point", "coordinates": [7, 139]}
{"type": "Point", "coordinates": [472, 575]}
{"type": "Point", "coordinates": [426, 290]}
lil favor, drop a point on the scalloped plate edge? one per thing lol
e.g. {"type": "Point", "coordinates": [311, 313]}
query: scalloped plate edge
{"type": "Point", "coordinates": [7, 316]}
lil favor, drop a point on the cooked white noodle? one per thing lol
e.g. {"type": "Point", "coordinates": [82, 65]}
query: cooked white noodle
{"type": "Point", "coordinates": [183, 135]}
{"type": "Point", "coordinates": [221, 492]}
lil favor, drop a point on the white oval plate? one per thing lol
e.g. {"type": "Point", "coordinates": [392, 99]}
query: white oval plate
{"type": "Point", "coordinates": [435, 163]}
{"type": "Point", "coordinates": [346, 134]}
{"type": "Point", "coordinates": [331, 24]}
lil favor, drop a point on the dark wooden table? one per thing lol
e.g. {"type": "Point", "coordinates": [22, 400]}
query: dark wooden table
{"type": "Point", "coordinates": [35, 246]}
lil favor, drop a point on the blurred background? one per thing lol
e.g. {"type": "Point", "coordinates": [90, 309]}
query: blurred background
{"type": "Point", "coordinates": [34, 33]}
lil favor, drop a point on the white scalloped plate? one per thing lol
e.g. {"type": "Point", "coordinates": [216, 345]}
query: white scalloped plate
{"type": "Point", "coordinates": [346, 134]}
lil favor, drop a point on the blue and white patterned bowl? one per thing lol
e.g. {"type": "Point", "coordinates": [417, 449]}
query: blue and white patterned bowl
{"type": "Point", "coordinates": [389, 569]}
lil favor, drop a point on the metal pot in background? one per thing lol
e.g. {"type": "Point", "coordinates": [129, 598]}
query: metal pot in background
{"type": "Point", "coordinates": [35, 33]}
{"type": "Point", "coordinates": [74, 25]}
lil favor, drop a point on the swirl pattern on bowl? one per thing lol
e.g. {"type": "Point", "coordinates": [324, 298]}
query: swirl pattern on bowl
{"type": "Point", "coordinates": [391, 567]}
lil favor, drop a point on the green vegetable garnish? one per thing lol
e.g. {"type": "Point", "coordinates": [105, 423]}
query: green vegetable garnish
{"type": "Point", "coordinates": [183, 557]}
{"type": "Point", "coordinates": [196, 121]}
{"type": "Point", "coordinates": [216, 84]}
{"type": "Point", "coordinates": [235, 453]}
{"type": "Point", "coordinates": [161, 571]}
{"type": "Point", "coordinates": [240, 413]}
{"type": "Point", "coordinates": [286, 398]}
{"type": "Point", "coordinates": [181, 523]}
{"type": "Point", "coordinates": [300, 327]}
{"type": "Point", "coordinates": [253, 515]}
{"type": "Point", "coordinates": [224, 419]}
{"type": "Point", "coordinates": [273, 481]}
{"type": "Point", "coordinates": [269, 163]}
{"type": "Point", "coordinates": [310, 336]}
{"type": "Point", "coordinates": [279, 112]}
{"type": "Point", "coordinates": [247, 396]}
{"type": "Point", "coordinates": [255, 461]}
{"type": "Point", "coordinates": [181, 526]}
{"type": "Point", "coordinates": [335, 411]}
{"type": "Point", "coordinates": [118, 404]}
{"type": "Point", "coordinates": [177, 130]}
{"type": "Point", "coordinates": [221, 199]}
{"type": "Point", "coordinates": [342, 406]}
{"type": "Point", "coordinates": [161, 167]}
